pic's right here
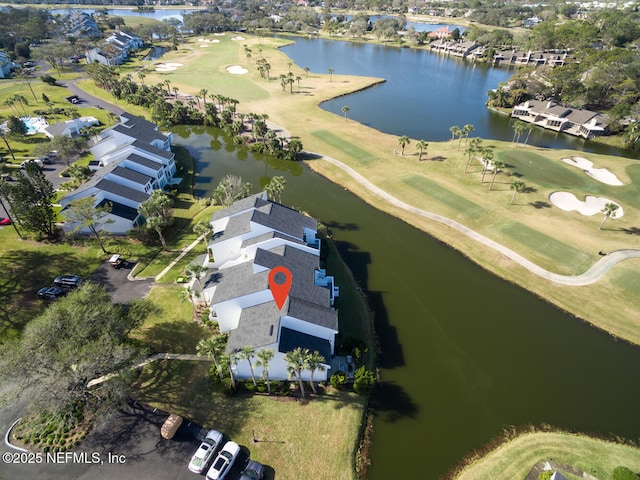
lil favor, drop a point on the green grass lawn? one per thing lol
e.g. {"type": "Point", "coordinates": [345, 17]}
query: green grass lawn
{"type": "Point", "coordinates": [514, 459]}
{"type": "Point", "coordinates": [443, 195]}
{"type": "Point", "coordinates": [359, 154]}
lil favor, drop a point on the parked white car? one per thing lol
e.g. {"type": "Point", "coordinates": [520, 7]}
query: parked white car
{"type": "Point", "coordinates": [223, 462]}
{"type": "Point", "coordinates": [207, 449]}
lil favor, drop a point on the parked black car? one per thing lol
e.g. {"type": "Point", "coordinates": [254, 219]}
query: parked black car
{"type": "Point", "coordinates": [51, 293]}
{"type": "Point", "coordinates": [68, 281]}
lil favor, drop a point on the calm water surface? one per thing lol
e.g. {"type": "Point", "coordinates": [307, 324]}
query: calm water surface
{"type": "Point", "coordinates": [424, 93]}
{"type": "Point", "coordinates": [463, 353]}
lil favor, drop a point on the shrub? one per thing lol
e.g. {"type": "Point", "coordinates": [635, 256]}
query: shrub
{"type": "Point", "coordinates": [545, 475]}
{"type": "Point", "coordinates": [623, 473]}
{"type": "Point", "coordinates": [280, 387]}
{"type": "Point", "coordinates": [364, 382]}
{"type": "Point", "coordinates": [338, 380]}
{"type": "Point", "coordinates": [226, 386]}
{"type": "Point", "coordinates": [49, 80]}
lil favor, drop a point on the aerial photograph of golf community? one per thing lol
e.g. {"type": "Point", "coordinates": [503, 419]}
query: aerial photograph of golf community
{"type": "Point", "coordinates": [320, 240]}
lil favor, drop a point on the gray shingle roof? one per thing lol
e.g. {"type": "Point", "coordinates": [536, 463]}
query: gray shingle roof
{"type": "Point", "coordinates": [236, 281]}
{"type": "Point", "coordinates": [268, 236]}
{"type": "Point", "coordinates": [240, 206]}
{"type": "Point", "coordinates": [121, 190]}
{"type": "Point", "coordinates": [151, 149]}
{"type": "Point", "coordinates": [302, 266]}
{"type": "Point", "coordinates": [292, 339]}
{"type": "Point", "coordinates": [132, 175]}
{"type": "Point", "coordinates": [139, 128]}
{"type": "Point", "coordinates": [56, 129]}
{"type": "Point", "coordinates": [264, 212]}
{"type": "Point", "coordinates": [237, 225]}
{"type": "Point", "coordinates": [257, 327]}
{"type": "Point", "coordinates": [313, 313]}
{"type": "Point", "coordinates": [144, 161]}
{"type": "Point", "coordinates": [120, 210]}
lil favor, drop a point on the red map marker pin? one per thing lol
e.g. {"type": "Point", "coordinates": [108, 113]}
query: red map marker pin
{"type": "Point", "coordinates": [280, 284]}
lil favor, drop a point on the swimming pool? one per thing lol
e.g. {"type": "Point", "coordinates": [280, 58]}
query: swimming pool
{"type": "Point", "coordinates": [34, 124]}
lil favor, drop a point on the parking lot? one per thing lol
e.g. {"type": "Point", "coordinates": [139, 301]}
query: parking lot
{"type": "Point", "coordinates": [126, 445]}
{"type": "Point", "coordinates": [117, 284]}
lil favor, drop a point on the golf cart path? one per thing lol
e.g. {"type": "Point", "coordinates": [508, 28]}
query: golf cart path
{"type": "Point", "coordinates": [590, 276]}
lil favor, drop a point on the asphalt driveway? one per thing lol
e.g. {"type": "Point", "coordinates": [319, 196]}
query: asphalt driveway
{"type": "Point", "coordinates": [117, 284]}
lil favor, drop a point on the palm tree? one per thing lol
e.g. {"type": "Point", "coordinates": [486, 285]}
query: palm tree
{"type": "Point", "coordinates": [203, 93]}
{"type": "Point", "coordinates": [264, 357]}
{"type": "Point", "coordinates": [248, 353]}
{"type": "Point", "coordinates": [497, 165]}
{"type": "Point", "coordinates": [345, 110]}
{"type": "Point", "coordinates": [421, 145]}
{"type": "Point", "coordinates": [168, 83]}
{"type": "Point", "coordinates": [314, 361]}
{"type": "Point", "coordinates": [202, 229]}
{"type": "Point", "coordinates": [307, 69]}
{"type": "Point", "coordinates": [455, 130]}
{"type": "Point", "coordinates": [229, 361]}
{"type": "Point", "coordinates": [517, 186]}
{"type": "Point", "coordinates": [175, 91]}
{"type": "Point", "coordinates": [331, 70]}
{"type": "Point", "coordinates": [518, 129]}
{"type": "Point", "coordinates": [467, 129]}
{"type": "Point", "coordinates": [487, 157]}
{"type": "Point", "coordinates": [404, 141]}
{"type": "Point", "coordinates": [529, 129]}
{"type": "Point", "coordinates": [296, 362]}
{"type": "Point", "coordinates": [276, 187]}
{"type": "Point", "coordinates": [609, 210]}
{"type": "Point", "coordinates": [212, 347]}
{"type": "Point", "coordinates": [142, 76]}
{"type": "Point", "coordinates": [474, 147]}
{"type": "Point", "coordinates": [195, 270]}
{"type": "Point", "coordinates": [187, 294]}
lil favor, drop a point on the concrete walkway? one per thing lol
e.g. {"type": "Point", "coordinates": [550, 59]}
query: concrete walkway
{"type": "Point", "coordinates": [179, 257]}
{"type": "Point", "coordinates": [148, 360]}
{"type": "Point", "coordinates": [590, 276]}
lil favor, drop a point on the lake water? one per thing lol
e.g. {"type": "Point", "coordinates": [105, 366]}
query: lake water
{"type": "Point", "coordinates": [424, 94]}
{"type": "Point", "coordinates": [464, 354]}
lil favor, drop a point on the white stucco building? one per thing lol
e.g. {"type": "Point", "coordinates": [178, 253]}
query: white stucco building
{"type": "Point", "coordinates": [251, 237]}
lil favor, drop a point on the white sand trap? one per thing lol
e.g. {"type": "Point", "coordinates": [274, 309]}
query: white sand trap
{"type": "Point", "coordinates": [167, 67]}
{"type": "Point", "coordinates": [567, 201]}
{"type": "Point", "coordinates": [219, 34]}
{"type": "Point", "coordinates": [237, 38]}
{"type": "Point", "coordinates": [201, 39]}
{"type": "Point", "coordinates": [237, 70]}
{"type": "Point", "coordinates": [203, 46]}
{"type": "Point", "coordinates": [600, 174]}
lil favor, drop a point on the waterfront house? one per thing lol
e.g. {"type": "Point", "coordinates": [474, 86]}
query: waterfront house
{"type": "Point", "coordinates": [251, 237]}
{"type": "Point", "coordinates": [115, 49]}
{"type": "Point", "coordinates": [574, 121]}
{"type": "Point", "coordinates": [80, 24]}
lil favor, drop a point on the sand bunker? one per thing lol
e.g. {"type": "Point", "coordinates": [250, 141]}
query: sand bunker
{"type": "Point", "coordinates": [600, 174]}
{"type": "Point", "coordinates": [219, 34]}
{"type": "Point", "coordinates": [237, 38]}
{"type": "Point", "coordinates": [590, 206]}
{"type": "Point", "coordinates": [237, 70]}
{"type": "Point", "coordinates": [167, 67]}
{"type": "Point", "coordinates": [206, 40]}
{"type": "Point", "coordinates": [203, 46]}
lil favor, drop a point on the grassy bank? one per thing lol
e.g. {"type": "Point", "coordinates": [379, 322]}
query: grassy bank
{"type": "Point", "coordinates": [515, 458]}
